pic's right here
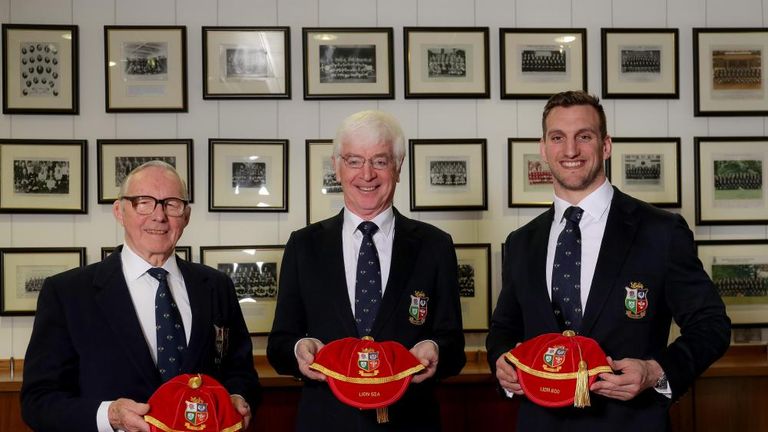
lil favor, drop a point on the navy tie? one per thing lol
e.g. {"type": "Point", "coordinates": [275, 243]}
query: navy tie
{"type": "Point", "coordinates": [171, 340]}
{"type": "Point", "coordinates": [367, 280]}
{"type": "Point", "coordinates": [566, 273]}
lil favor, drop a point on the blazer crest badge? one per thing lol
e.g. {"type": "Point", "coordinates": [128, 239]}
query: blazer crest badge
{"type": "Point", "coordinates": [418, 310]}
{"type": "Point", "coordinates": [636, 300]}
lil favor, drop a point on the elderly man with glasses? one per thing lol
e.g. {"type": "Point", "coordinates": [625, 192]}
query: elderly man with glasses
{"type": "Point", "coordinates": [106, 336]}
{"type": "Point", "coordinates": [407, 290]}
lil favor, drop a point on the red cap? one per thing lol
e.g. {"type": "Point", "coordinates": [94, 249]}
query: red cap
{"type": "Point", "coordinates": [556, 370]}
{"type": "Point", "coordinates": [366, 374]}
{"type": "Point", "coordinates": [192, 403]}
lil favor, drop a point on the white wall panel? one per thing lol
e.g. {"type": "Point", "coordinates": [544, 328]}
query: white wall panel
{"type": "Point", "coordinates": [347, 13]}
{"type": "Point", "coordinates": [742, 13]}
{"type": "Point", "coordinates": [647, 13]}
{"type": "Point", "coordinates": [544, 13]}
{"type": "Point", "coordinates": [245, 13]}
{"type": "Point", "coordinates": [446, 13]}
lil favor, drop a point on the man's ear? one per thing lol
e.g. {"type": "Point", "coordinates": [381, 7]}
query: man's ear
{"type": "Point", "coordinates": [117, 211]}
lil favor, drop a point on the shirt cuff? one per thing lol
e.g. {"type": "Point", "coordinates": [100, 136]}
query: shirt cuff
{"type": "Point", "coordinates": [296, 346]}
{"type": "Point", "coordinates": [666, 391]}
{"type": "Point", "coordinates": [102, 417]}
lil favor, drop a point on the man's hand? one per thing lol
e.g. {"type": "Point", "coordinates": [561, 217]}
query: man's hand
{"type": "Point", "coordinates": [306, 350]}
{"type": "Point", "coordinates": [128, 415]}
{"type": "Point", "coordinates": [426, 352]}
{"type": "Point", "coordinates": [507, 376]}
{"type": "Point", "coordinates": [636, 376]}
{"type": "Point", "coordinates": [242, 407]}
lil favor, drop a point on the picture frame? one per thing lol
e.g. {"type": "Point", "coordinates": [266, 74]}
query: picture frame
{"type": "Point", "coordinates": [446, 62]}
{"type": "Point", "coordinates": [640, 63]}
{"type": "Point", "coordinates": [183, 252]}
{"type": "Point", "coordinates": [255, 272]}
{"type": "Point", "coordinates": [737, 268]}
{"type": "Point", "coordinates": [474, 271]}
{"type": "Point", "coordinates": [246, 62]}
{"type": "Point", "coordinates": [647, 168]}
{"type": "Point", "coordinates": [448, 174]}
{"type": "Point", "coordinates": [729, 72]}
{"type": "Point", "coordinates": [525, 76]}
{"type": "Point", "coordinates": [348, 63]}
{"type": "Point", "coordinates": [43, 176]}
{"type": "Point", "coordinates": [40, 69]}
{"type": "Point", "coordinates": [325, 197]}
{"type": "Point", "coordinates": [730, 180]}
{"type": "Point", "coordinates": [247, 175]}
{"type": "Point", "coordinates": [23, 270]}
{"type": "Point", "coordinates": [145, 68]}
{"type": "Point", "coordinates": [529, 180]}
{"type": "Point", "coordinates": [116, 158]}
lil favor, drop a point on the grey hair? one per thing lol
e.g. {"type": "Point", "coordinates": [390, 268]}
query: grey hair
{"type": "Point", "coordinates": [156, 164]}
{"type": "Point", "coordinates": [375, 125]}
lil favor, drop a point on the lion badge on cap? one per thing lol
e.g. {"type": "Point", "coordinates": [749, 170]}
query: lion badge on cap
{"type": "Point", "coordinates": [197, 411]}
{"type": "Point", "coordinates": [636, 301]}
{"type": "Point", "coordinates": [368, 362]}
{"type": "Point", "coordinates": [418, 309]}
{"type": "Point", "coordinates": [554, 358]}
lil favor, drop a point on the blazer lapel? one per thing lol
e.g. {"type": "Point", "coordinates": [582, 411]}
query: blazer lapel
{"type": "Point", "coordinates": [330, 261]}
{"type": "Point", "coordinates": [620, 230]}
{"type": "Point", "coordinates": [201, 302]}
{"type": "Point", "coordinates": [405, 248]}
{"type": "Point", "coordinates": [542, 302]}
{"type": "Point", "coordinates": [115, 304]}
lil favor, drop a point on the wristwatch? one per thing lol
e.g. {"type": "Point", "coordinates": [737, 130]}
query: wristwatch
{"type": "Point", "coordinates": [661, 383]}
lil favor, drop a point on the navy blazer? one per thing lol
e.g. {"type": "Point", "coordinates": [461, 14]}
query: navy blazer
{"type": "Point", "coordinates": [313, 302]}
{"type": "Point", "coordinates": [641, 244]}
{"type": "Point", "coordinates": [87, 345]}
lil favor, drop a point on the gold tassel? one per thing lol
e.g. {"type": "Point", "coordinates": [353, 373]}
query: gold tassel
{"type": "Point", "coordinates": [382, 415]}
{"type": "Point", "coordinates": [581, 398]}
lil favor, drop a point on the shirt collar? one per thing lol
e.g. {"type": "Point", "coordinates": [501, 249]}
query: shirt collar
{"type": "Point", "coordinates": [384, 220]}
{"type": "Point", "coordinates": [135, 266]}
{"type": "Point", "coordinates": [595, 204]}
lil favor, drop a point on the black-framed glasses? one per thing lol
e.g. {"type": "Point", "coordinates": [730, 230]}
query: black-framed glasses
{"type": "Point", "coordinates": [146, 205]}
{"type": "Point", "coordinates": [376, 162]}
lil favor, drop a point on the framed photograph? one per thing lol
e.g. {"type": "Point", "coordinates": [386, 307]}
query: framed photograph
{"type": "Point", "coordinates": [247, 175]}
{"type": "Point", "coordinates": [23, 270]}
{"type": "Point", "coordinates": [448, 174]}
{"type": "Point", "coordinates": [739, 269]}
{"type": "Point", "coordinates": [529, 180]}
{"type": "Point", "coordinates": [145, 68]}
{"type": "Point", "coordinates": [40, 69]}
{"type": "Point", "coordinates": [640, 63]}
{"type": "Point", "coordinates": [475, 285]}
{"type": "Point", "coordinates": [730, 175]}
{"type": "Point", "coordinates": [183, 252]}
{"type": "Point", "coordinates": [537, 63]}
{"type": "Point", "coordinates": [43, 176]}
{"type": "Point", "coordinates": [246, 63]}
{"type": "Point", "coordinates": [348, 63]}
{"type": "Point", "coordinates": [446, 62]}
{"type": "Point", "coordinates": [324, 194]}
{"type": "Point", "coordinates": [254, 271]}
{"type": "Point", "coordinates": [729, 71]}
{"type": "Point", "coordinates": [647, 168]}
{"type": "Point", "coordinates": [118, 157]}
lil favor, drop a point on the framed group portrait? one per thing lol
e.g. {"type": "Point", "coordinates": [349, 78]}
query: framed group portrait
{"type": "Point", "coordinates": [325, 197]}
{"type": "Point", "coordinates": [640, 63]}
{"type": "Point", "coordinates": [448, 174]}
{"type": "Point", "coordinates": [730, 175]}
{"type": "Point", "coordinates": [729, 71]}
{"type": "Point", "coordinates": [254, 271]}
{"type": "Point", "coordinates": [647, 168]}
{"type": "Point", "coordinates": [529, 179]}
{"type": "Point", "coordinates": [183, 252]}
{"type": "Point", "coordinates": [446, 62]}
{"type": "Point", "coordinates": [348, 63]}
{"type": "Point", "coordinates": [145, 68]}
{"type": "Point", "coordinates": [246, 63]}
{"type": "Point", "coordinates": [40, 69]}
{"type": "Point", "coordinates": [23, 271]}
{"type": "Point", "coordinates": [247, 175]}
{"type": "Point", "coordinates": [739, 270]}
{"type": "Point", "coordinates": [116, 158]}
{"type": "Point", "coordinates": [537, 63]}
{"type": "Point", "coordinates": [43, 176]}
{"type": "Point", "coordinates": [474, 271]}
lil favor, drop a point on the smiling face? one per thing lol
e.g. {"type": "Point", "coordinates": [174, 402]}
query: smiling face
{"type": "Point", "coordinates": [575, 151]}
{"type": "Point", "coordinates": [367, 191]}
{"type": "Point", "coordinates": [153, 237]}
